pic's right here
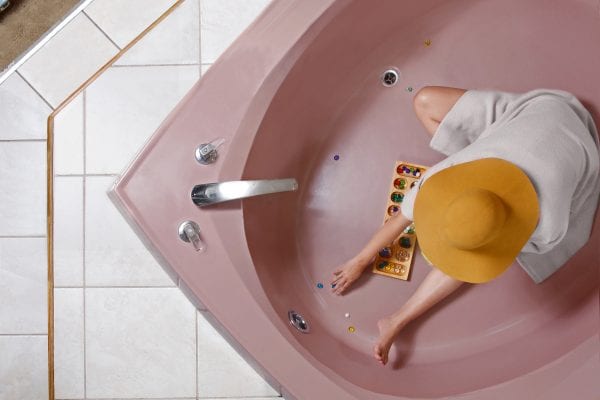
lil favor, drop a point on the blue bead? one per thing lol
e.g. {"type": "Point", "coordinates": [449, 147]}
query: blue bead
{"type": "Point", "coordinates": [320, 285]}
{"type": "Point", "coordinates": [333, 285]}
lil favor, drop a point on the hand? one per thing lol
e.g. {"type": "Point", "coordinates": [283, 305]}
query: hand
{"type": "Point", "coordinates": [346, 274]}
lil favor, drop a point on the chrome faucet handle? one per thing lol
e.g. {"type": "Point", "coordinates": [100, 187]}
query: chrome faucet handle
{"type": "Point", "coordinates": [189, 232]}
{"type": "Point", "coordinates": [206, 153]}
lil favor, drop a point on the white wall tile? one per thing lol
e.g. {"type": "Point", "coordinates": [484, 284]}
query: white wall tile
{"type": "Point", "coordinates": [223, 21]}
{"type": "Point", "coordinates": [23, 113]}
{"type": "Point", "coordinates": [176, 40]}
{"type": "Point", "coordinates": [68, 60]}
{"type": "Point", "coordinates": [139, 343]}
{"type": "Point", "coordinates": [124, 20]}
{"type": "Point", "coordinates": [24, 367]}
{"type": "Point", "coordinates": [68, 138]}
{"type": "Point", "coordinates": [114, 255]}
{"type": "Point", "coordinates": [125, 106]}
{"type": "Point", "coordinates": [222, 372]}
{"type": "Point", "coordinates": [22, 188]}
{"type": "Point", "coordinates": [68, 344]}
{"type": "Point", "coordinates": [68, 231]}
{"type": "Point", "coordinates": [23, 286]}
{"type": "Point", "coordinates": [204, 68]}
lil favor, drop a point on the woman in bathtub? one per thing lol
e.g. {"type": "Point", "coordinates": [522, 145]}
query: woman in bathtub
{"type": "Point", "coordinates": [521, 181]}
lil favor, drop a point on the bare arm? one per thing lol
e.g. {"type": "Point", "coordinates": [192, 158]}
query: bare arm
{"type": "Point", "coordinates": [350, 271]}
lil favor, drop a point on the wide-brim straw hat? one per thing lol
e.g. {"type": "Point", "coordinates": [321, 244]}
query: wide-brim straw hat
{"type": "Point", "coordinates": [473, 219]}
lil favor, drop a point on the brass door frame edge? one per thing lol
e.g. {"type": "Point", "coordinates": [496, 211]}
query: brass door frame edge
{"type": "Point", "coordinates": [50, 185]}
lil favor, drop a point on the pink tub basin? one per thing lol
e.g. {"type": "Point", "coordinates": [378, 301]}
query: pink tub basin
{"type": "Point", "coordinates": [301, 85]}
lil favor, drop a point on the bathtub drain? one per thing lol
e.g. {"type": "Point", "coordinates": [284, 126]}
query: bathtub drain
{"type": "Point", "coordinates": [390, 77]}
{"type": "Point", "coordinates": [298, 321]}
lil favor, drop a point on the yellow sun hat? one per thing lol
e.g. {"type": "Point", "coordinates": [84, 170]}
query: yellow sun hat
{"type": "Point", "coordinates": [473, 219]}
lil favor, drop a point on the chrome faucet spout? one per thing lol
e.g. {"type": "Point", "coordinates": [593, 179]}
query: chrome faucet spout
{"type": "Point", "coordinates": [213, 193]}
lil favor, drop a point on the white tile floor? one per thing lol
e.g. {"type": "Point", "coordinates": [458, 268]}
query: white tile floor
{"type": "Point", "coordinates": [123, 330]}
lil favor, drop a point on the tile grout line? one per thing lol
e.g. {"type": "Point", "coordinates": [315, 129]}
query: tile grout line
{"type": "Point", "coordinates": [154, 65]}
{"type": "Point", "coordinates": [21, 140]}
{"type": "Point", "coordinates": [23, 237]}
{"type": "Point", "coordinates": [85, 175]}
{"type": "Point", "coordinates": [160, 398]}
{"type": "Point", "coordinates": [163, 398]}
{"type": "Point", "coordinates": [35, 90]}
{"type": "Point", "coordinates": [23, 334]}
{"type": "Point", "coordinates": [84, 101]}
{"type": "Point", "coordinates": [114, 287]}
{"type": "Point", "coordinates": [101, 30]}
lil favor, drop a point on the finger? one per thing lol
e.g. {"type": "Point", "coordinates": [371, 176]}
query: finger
{"type": "Point", "coordinates": [338, 271]}
{"type": "Point", "coordinates": [343, 286]}
{"type": "Point", "coordinates": [336, 279]}
{"type": "Point", "coordinates": [339, 286]}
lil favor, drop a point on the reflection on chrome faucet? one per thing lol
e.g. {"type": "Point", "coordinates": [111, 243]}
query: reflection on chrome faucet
{"type": "Point", "coordinates": [189, 232]}
{"type": "Point", "coordinates": [214, 193]}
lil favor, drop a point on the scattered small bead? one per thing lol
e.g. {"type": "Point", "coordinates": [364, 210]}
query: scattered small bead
{"type": "Point", "coordinates": [347, 315]}
{"type": "Point", "coordinates": [336, 157]}
{"type": "Point", "coordinates": [351, 329]}
{"type": "Point", "coordinates": [427, 42]}
{"type": "Point", "coordinates": [409, 89]}
{"type": "Point", "coordinates": [320, 285]}
{"type": "Point", "coordinates": [333, 285]}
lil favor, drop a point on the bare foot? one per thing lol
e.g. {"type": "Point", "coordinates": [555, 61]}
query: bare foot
{"type": "Point", "coordinates": [388, 330]}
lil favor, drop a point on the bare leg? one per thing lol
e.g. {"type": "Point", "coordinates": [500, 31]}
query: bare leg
{"type": "Point", "coordinates": [432, 103]}
{"type": "Point", "coordinates": [435, 287]}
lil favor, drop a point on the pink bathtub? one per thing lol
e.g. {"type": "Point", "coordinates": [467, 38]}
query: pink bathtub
{"type": "Point", "coordinates": [301, 86]}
